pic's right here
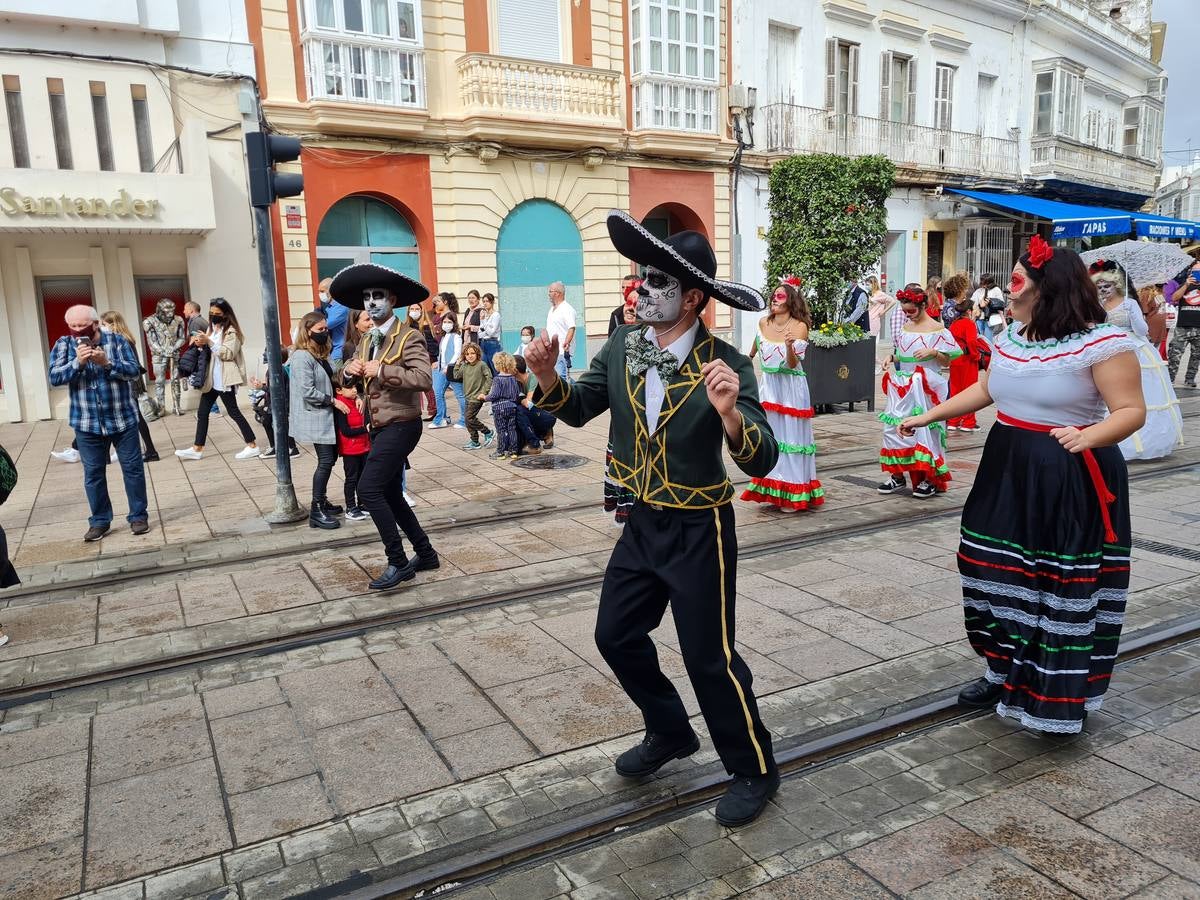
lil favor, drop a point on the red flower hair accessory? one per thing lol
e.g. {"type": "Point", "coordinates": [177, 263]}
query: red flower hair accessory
{"type": "Point", "coordinates": [914, 296]}
{"type": "Point", "coordinates": [794, 280]}
{"type": "Point", "coordinates": [1039, 251]}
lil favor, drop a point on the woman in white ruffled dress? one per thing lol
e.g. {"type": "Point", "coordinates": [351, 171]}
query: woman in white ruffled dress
{"type": "Point", "coordinates": [1163, 431]}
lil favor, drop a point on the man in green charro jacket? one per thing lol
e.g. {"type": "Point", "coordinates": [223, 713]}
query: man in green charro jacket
{"type": "Point", "coordinates": [676, 394]}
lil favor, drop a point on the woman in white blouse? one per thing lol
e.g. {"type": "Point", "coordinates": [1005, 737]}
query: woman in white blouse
{"type": "Point", "coordinates": [489, 330]}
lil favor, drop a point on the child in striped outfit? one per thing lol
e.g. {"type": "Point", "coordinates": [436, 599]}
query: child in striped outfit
{"type": "Point", "coordinates": [504, 396]}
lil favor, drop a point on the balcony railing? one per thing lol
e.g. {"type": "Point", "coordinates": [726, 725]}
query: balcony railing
{"type": "Point", "coordinates": [674, 104]}
{"type": "Point", "coordinates": [1091, 17]}
{"type": "Point", "coordinates": [364, 70]}
{"type": "Point", "coordinates": [803, 129]}
{"type": "Point", "coordinates": [519, 89]}
{"type": "Point", "coordinates": [1056, 156]}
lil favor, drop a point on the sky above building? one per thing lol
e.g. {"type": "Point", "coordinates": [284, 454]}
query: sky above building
{"type": "Point", "coordinates": [1180, 58]}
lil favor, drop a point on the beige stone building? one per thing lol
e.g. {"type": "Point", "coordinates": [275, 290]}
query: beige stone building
{"type": "Point", "coordinates": [480, 143]}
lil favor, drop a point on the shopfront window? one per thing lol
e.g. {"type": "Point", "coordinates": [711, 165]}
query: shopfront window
{"type": "Point", "coordinates": [364, 229]}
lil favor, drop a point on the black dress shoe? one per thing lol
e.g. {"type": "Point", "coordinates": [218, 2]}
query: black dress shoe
{"type": "Point", "coordinates": [746, 798]}
{"type": "Point", "coordinates": [426, 563]}
{"type": "Point", "coordinates": [332, 508]}
{"type": "Point", "coordinates": [151, 456]}
{"type": "Point", "coordinates": [979, 694]}
{"type": "Point", "coordinates": [139, 526]}
{"type": "Point", "coordinates": [96, 532]}
{"type": "Point", "coordinates": [392, 576]}
{"type": "Point", "coordinates": [654, 752]}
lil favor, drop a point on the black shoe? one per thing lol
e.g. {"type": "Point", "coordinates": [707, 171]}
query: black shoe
{"type": "Point", "coordinates": [96, 532]}
{"type": "Point", "coordinates": [892, 485]}
{"type": "Point", "coordinates": [746, 798]}
{"type": "Point", "coordinates": [332, 508]}
{"type": "Point", "coordinates": [392, 576]}
{"type": "Point", "coordinates": [151, 456]}
{"type": "Point", "coordinates": [426, 563]}
{"type": "Point", "coordinates": [979, 694]}
{"type": "Point", "coordinates": [294, 452]}
{"type": "Point", "coordinates": [654, 752]}
{"type": "Point", "coordinates": [269, 453]}
{"type": "Point", "coordinates": [318, 518]}
{"type": "Point", "coordinates": [139, 526]}
{"type": "Point", "coordinates": [924, 491]}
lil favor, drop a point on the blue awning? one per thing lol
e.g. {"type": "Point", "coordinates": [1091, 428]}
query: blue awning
{"type": "Point", "coordinates": [1071, 220]}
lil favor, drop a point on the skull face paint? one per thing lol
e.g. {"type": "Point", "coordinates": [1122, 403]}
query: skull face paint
{"type": "Point", "coordinates": [660, 298]}
{"type": "Point", "coordinates": [378, 304]}
{"type": "Point", "coordinates": [1107, 288]}
{"type": "Point", "coordinates": [1017, 283]}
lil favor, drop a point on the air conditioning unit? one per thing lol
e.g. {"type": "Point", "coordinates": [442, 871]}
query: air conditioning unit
{"type": "Point", "coordinates": [742, 97]}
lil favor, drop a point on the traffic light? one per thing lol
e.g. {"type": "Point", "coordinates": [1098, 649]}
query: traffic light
{"type": "Point", "coordinates": [263, 152]}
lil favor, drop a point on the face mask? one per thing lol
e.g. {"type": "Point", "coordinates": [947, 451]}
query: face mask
{"type": "Point", "coordinates": [105, 329]}
{"type": "Point", "coordinates": [527, 339]}
{"type": "Point", "coordinates": [660, 298]}
{"type": "Point", "coordinates": [447, 327]}
{"type": "Point", "coordinates": [216, 319]}
{"type": "Point", "coordinates": [324, 297]}
{"type": "Point", "coordinates": [415, 315]}
{"type": "Point", "coordinates": [82, 332]}
{"type": "Point", "coordinates": [320, 338]}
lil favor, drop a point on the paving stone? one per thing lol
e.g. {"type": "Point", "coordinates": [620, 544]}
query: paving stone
{"type": "Point", "coordinates": [817, 821]}
{"type": "Point", "coordinates": [148, 738]}
{"type": "Point", "coordinates": [155, 820]}
{"type": "Point", "coordinates": [463, 826]}
{"type": "Point", "coordinates": [397, 847]}
{"type": "Point", "coordinates": [717, 857]}
{"type": "Point", "coordinates": [824, 658]}
{"type": "Point", "coordinates": [241, 698]}
{"type": "Point", "coordinates": [434, 806]}
{"type": "Point", "coordinates": [920, 854]}
{"type": "Point", "coordinates": [947, 771]}
{"type": "Point", "coordinates": [134, 891]}
{"type": "Point", "coordinates": [283, 883]}
{"type": "Point", "coordinates": [1084, 787]}
{"type": "Point", "coordinates": [809, 854]}
{"type": "Point", "coordinates": [768, 837]}
{"type": "Point", "coordinates": [573, 792]}
{"type": "Point", "coordinates": [839, 779]}
{"type": "Point", "coordinates": [508, 654]}
{"type": "Point", "coordinates": [591, 865]}
{"type": "Point", "coordinates": [1158, 823]}
{"type": "Point", "coordinates": [746, 878]}
{"type": "Point", "coordinates": [358, 760]}
{"type": "Point", "coordinates": [880, 764]}
{"type": "Point", "coordinates": [644, 847]}
{"type": "Point", "coordinates": [346, 864]}
{"type": "Point", "coordinates": [42, 802]}
{"type": "Point", "coordinates": [833, 879]}
{"type": "Point", "coordinates": [39, 743]}
{"type": "Point", "coordinates": [539, 883]}
{"type": "Point", "coordinates": [1186, 732]}
{"type": "Point", "coordinates": [1077, 857]}
{"type": "Point", "coordinates": [316, 842]}
{"type": "Point", "coordinates": [377, 823]}
{"type": "Point", "coordinates": [486, 790]}
{"type": "Point", "coordinates": [48, 871]}
{"type": "Point", "coordinates": [261, 747]}
{"type": "Point", "coordinates": [701, 827]}
{"type": "Point", "coordinates": [612, 888]}
{"type": "Point", "coordinates": [662, 878]}
{"type": "Point", "coordinates": [198, 878]}
{"type": "Point", "coordinates": [906, 787]}
{"type": "Point", "coordinates": [278, 809]}
{"type": "Point", "coordinates": [1161, 760]}
{"type": "Point", "coordinates": [487, 750]}
{"type": "Point", "coordinates": [243, 864]}
{"type": "Point", "coordinates": [442, 699]}
{"type": "Point", "coordinates": [995, 875]}
{"type": "Point", "coordinates": [338, 693]}
{"type": "Point", "coordinates": [1171, 888]}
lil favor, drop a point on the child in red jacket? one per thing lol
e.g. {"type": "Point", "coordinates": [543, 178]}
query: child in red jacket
{"type": "Point", "coordinates": [353, 444]}
{"type": "Point", "coordinates": [964, 370]}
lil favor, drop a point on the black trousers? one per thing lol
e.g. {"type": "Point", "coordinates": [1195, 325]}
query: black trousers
{"type": "Point", "coordinates": [208, 400]}
{"type": "Point", "coordinates": [352, 469]}
{"type": "Point", "coordinates": [326, 457]}
{"type": "Point", "coordinates": [382, 494]}
{"type": "Point", "coordinates": [687, 558]}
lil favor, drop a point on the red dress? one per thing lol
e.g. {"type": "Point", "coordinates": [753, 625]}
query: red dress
{"type": "Point", "coordinates": [964, 370]}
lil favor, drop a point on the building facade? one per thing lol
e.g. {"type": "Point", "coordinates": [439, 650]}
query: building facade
{"type": "Point", "coordinates": [1061, 99]}
{"type": "Point", "coordinates": [1179, 195]}
{"type": "Point", "coordinates": [120, 183]}
{"type": "Point", "coordinates": [481, 143]}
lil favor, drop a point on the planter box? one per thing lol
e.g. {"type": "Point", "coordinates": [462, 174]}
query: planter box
{"type": "Point", "coordinates": [842, 374]}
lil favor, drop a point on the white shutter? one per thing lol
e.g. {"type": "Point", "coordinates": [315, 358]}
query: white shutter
{"type": "Point", "coordinates": [781, 61]}
{"type": "Point", "coordinates": [885, 86]}
{"type": "Point", "coordinates": [853, 110]}
{"type": "Point", "coordinates": [530, 29]}
{"type": "Point", "coordinates": [831, 59]}
{"type": "Point", "coordinates": [911, 106]}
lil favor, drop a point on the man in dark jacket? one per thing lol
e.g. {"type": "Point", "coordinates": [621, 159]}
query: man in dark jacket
{"type": "Point", "coordinates": [629, 284]}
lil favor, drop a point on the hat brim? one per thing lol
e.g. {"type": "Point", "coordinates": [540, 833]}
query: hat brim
{"type": "Point", "coordinates": [348, 285]}
{"type": "Point", "coordinates": [637, 244]}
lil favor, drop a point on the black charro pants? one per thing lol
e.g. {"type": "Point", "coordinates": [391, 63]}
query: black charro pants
{"type": "Point", "coordinates": [381, 490]}
{"type": "Point", "coordinates": [687, 558]}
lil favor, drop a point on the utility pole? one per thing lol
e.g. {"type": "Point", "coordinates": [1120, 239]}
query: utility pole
{"type": "Point", "coordinates": [263, 151]}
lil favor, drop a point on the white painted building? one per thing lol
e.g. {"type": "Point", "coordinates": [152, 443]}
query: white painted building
{"type": "Point", "coordinates": [1060, 99]}
{"type": "Point", "coordinates": [120, 183]}
{"type": "Point", "coordinates": [1179, 195]}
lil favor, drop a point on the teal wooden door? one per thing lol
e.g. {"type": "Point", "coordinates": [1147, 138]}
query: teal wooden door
{"type": "Point", "coordinates": [539, 244]}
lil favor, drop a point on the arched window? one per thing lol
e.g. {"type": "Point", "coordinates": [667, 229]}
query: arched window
{"type": "Point", "coordinates": [363, 229]}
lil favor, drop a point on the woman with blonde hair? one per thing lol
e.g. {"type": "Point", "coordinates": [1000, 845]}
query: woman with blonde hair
{"type": "Point", "coordinates": [782, 340]}
{"type": "Point", "coordinates": [880, 302]}
{"type": "Point", "coordinates": [311, 402]}
{"type": "Point", "coordinates": [113, 322]}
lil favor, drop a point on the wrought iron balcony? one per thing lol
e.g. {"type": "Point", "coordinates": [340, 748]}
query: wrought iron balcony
{"type": "Point", "coordinates": [802, 129]}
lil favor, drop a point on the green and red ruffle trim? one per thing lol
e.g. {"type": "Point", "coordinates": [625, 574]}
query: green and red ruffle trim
{"type": "Point", "coordinates": [919, 462]}
{"type": "Point", "coordinates": [785, 494]}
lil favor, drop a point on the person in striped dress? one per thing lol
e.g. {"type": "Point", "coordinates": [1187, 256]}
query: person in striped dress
{"type": "Point", "coordinates": [1044, 552]}
{"type": "Point", "coordinates": [781, 341]}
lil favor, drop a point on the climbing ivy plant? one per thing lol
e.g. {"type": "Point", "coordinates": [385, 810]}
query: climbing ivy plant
{"type": "Point", "coordinates": [828, 224]}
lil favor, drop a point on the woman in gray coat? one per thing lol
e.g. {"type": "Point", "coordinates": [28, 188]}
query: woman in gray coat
{"type": "Point", "coordinates": [311, 404]}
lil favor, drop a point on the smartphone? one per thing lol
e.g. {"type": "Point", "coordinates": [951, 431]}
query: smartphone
{"type": "Point", "coordinates": [85, 342]}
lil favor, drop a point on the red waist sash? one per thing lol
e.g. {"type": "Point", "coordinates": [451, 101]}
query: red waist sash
{"type": "Point", "coordinates": [1103, 494]}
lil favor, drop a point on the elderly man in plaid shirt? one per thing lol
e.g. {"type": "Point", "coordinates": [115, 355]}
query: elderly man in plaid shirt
{"type": "Point", "coordinates": [99, 368]}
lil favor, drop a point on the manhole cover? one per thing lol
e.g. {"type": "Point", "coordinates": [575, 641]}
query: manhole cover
{"type": "Point", "coordinates": [550, 461]}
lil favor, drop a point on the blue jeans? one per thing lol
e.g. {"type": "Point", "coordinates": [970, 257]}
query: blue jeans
{"type": "Point", "coordinates": [93, 453]}
{"type": "Point", "coordinates": [490, 347]}
{"type": "Point", "coordinates": [562, 366]}
{"type": "Point", "coordinates": [440, 383]}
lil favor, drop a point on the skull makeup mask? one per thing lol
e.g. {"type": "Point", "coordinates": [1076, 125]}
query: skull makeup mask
{"type": "Point", "coordinates": [165, 310]}
{"type": "Point", "coordinates": [660, 298]}
{"type": "Point", "coordinates": [1107, 287]}
{"type": "Point", "coordinates": [378, 304]}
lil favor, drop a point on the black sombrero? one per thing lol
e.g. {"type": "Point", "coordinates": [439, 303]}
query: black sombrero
{"type": "Point", "coordinates": [348, 285]}
{"type": "Point", "coordinates": [687, 255]}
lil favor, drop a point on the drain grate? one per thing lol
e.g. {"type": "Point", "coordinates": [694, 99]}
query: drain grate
{"type": "Point", "coordinates": [1167, 549]}
{"type": "Point", "coordinates": [550, 461]}
{"type": "Point", "coordinates": [858, 480]}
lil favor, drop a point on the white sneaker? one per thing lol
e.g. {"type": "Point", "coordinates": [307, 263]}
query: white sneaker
{"type": "Point", "coordinates": [189, 453]}
{"type": "Point", "coordinates": [407, 499]}
{"type": "Point", "coordinates": [440, 425]}
{"type": "Point", "coordinates": [70, 455]}
{"type": "Point", "coordinates": [3, 638]}
{"type": "Point", "coordinates": [459, 425]}
{"type": "Point", "coordinates": [248, 453]}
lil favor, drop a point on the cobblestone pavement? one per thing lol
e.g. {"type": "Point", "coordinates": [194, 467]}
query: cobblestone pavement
{"type": "Point", "coordinates": [294, 769]}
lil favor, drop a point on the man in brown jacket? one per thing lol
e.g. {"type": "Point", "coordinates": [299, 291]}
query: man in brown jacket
{"type": "Point", "coordinates": [392, 370]}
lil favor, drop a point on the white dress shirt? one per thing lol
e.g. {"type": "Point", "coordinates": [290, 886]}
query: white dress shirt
{"type": "Point", "coordinates": [656, 392]}
{"type": "Point", "coordinates": [385, 330]}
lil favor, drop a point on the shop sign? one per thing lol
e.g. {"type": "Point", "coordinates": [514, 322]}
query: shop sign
{"type": "Point", "coordinates": [292, 215]}
{"type": "Point", "coordinates": [123, 206]}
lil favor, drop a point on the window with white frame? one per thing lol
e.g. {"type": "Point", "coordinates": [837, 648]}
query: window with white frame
{"type": "Point", "coordinates": [1057, 100]}
{"type": "Point", "coordinates": [674, 63]}
{"type": "Point", "coordinates": [1141, 134]}
{"type": "Point", "coordinates": [365, 51]}
{"type": "Point", "coordinates": [841, 76]}
{"type": "Point", "coordinates": [897, 88]}
{"type": "Point", "coordinates": [943, 97]}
